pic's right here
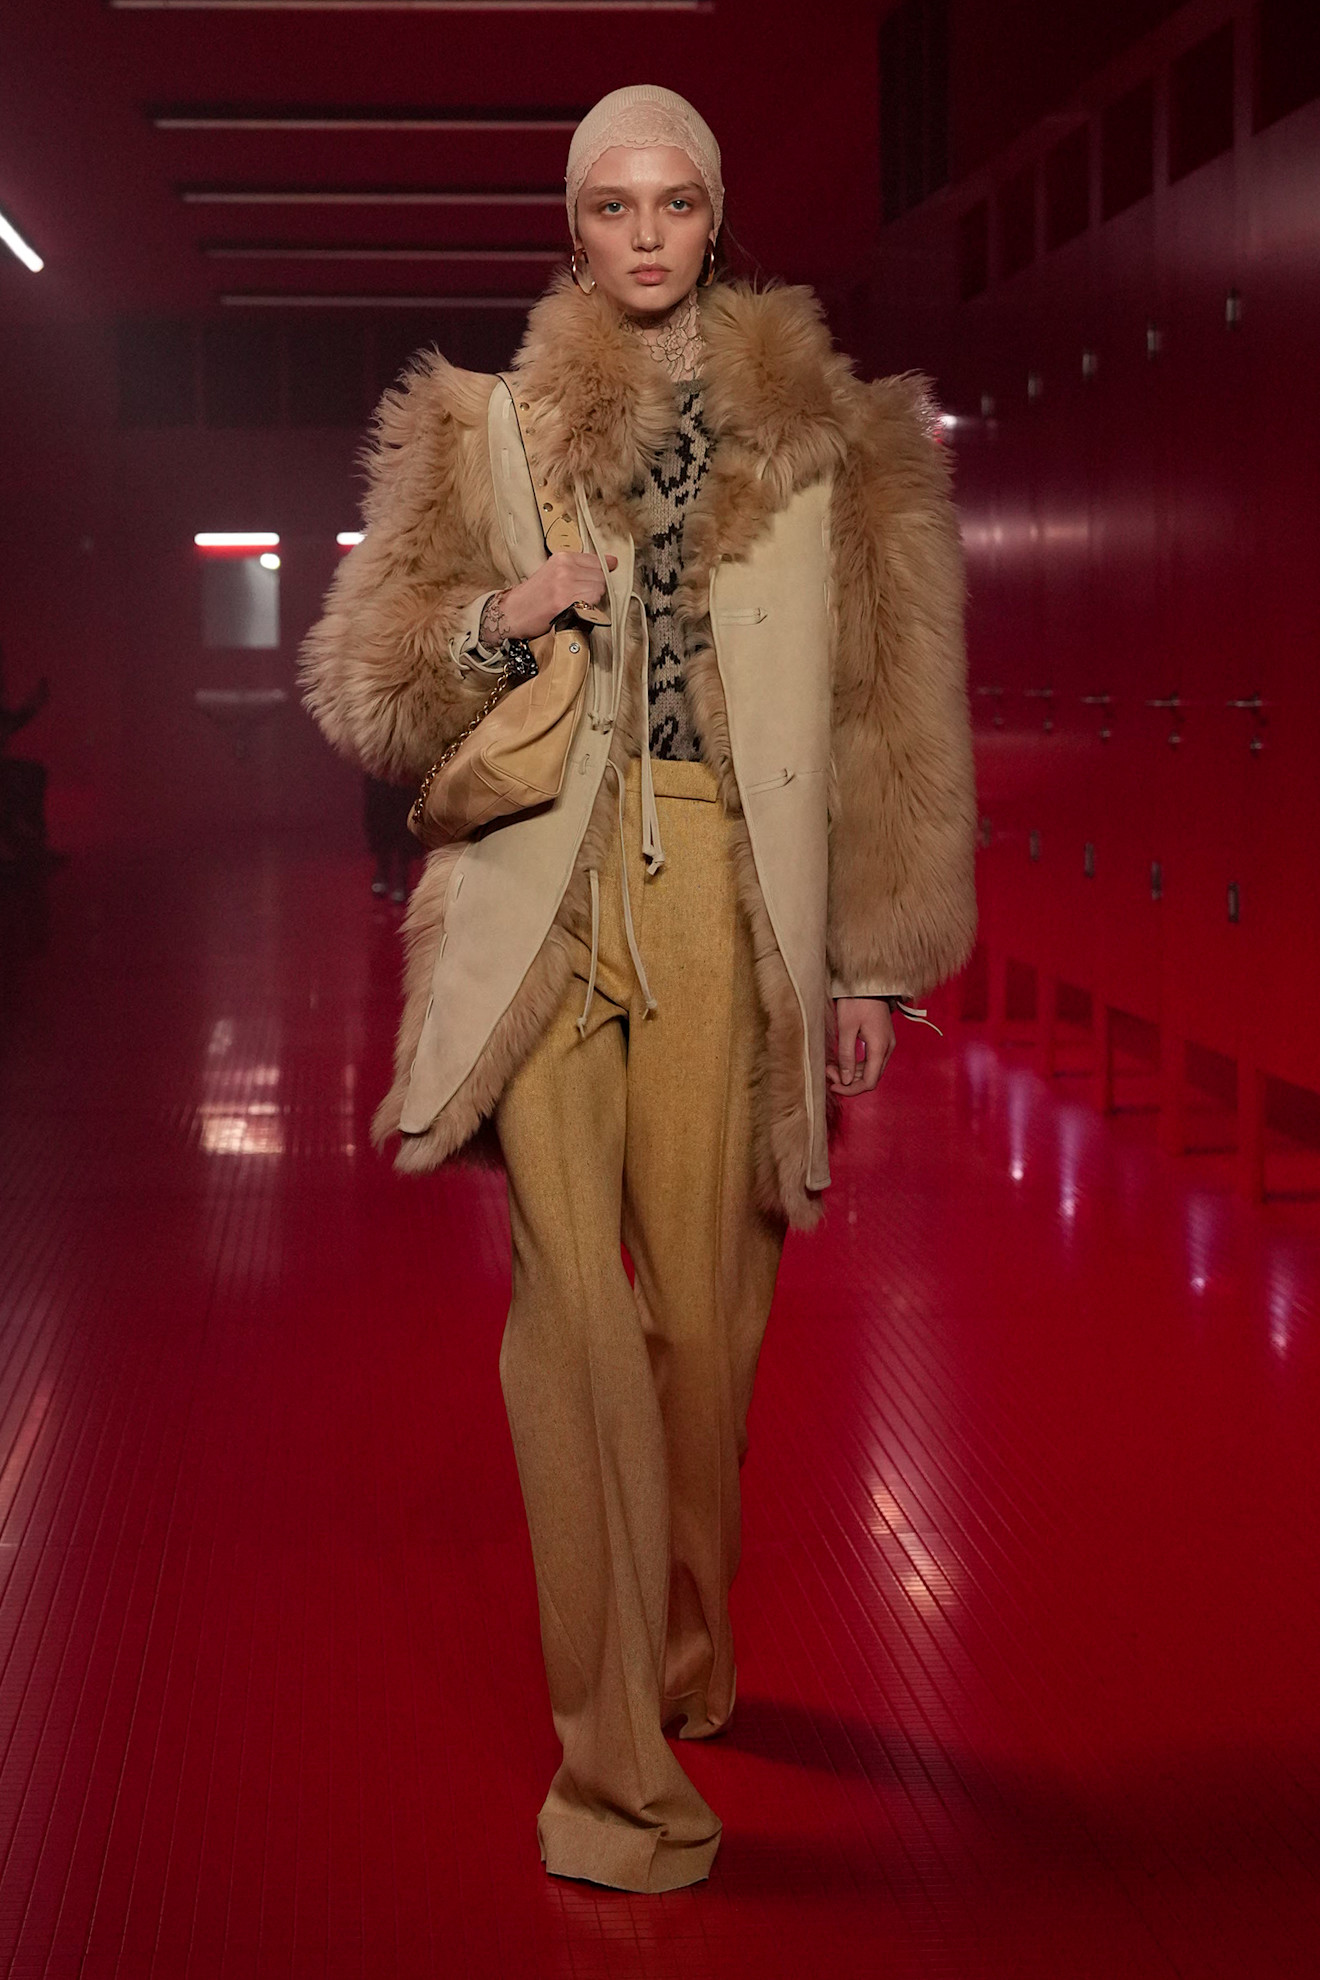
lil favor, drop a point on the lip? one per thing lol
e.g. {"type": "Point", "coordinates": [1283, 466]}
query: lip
{"type": "Point", "coordinates": [648, 272]}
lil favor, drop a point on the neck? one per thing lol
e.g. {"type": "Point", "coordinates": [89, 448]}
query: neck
{"type": "Point", "coordinates": [673, 338]}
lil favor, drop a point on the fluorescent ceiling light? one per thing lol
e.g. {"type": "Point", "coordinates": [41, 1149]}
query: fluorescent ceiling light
{"type": "Point", "coordinates": [348, 537]}
{"type": "Point", "coordinates": [14, 241]}
{"type": "Point", "coordinates": [236, 539]}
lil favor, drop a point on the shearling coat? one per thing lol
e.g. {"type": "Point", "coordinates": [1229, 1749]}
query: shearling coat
{"type": "Point", "coordinates": [822, 591]}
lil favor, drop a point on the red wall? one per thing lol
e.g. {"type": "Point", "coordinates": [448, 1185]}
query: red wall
{"type": "Point", "coordinates": [58, 609]}
{"type": "Point", "coordinates": [1146, 532]}
{"type": "Point", "coordinates": [1014, 61]}
{"type": "Point", "coordinates": [102, 594]}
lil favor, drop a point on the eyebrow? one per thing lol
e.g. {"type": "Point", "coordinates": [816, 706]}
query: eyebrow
{"type": "Point", "coordinates": [684, 185]}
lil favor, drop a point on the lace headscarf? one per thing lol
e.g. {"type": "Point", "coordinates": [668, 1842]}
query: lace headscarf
{"type": "Point", "coordinates": [643, 114]}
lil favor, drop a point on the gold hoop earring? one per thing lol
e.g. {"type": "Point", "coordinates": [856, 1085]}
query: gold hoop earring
{"type": "Point", "coordinates": [708, 274]}
{"type": "Point", "coordinates": [576, 277]}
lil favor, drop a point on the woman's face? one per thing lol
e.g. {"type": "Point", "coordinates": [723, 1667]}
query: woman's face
{"type": "Point", "coordinates": [644, 207]}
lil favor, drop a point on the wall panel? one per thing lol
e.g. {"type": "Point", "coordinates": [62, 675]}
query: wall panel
{"type": "Point", "coordinates": [1144, 529]}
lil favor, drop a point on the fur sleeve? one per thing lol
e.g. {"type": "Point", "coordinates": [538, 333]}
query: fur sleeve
{"type": "Point", "coordinates": [902, 900]}
{"type": "Point", "coordinates": [381, 669]}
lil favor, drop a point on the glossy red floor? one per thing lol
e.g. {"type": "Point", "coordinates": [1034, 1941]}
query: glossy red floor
{"type": "Point", "coordinates": [1029, 1662]}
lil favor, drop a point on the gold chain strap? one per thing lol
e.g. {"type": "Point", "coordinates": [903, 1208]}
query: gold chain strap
{"type": "Point", "coordinates": [495, 695]}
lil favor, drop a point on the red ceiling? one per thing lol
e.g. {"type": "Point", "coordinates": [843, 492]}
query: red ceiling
{"type": "Point", "coordinates": [789, 89]}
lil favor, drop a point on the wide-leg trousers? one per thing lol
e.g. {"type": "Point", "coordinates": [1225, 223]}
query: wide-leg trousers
{"type": "Point", "coordinates": [628, 1401]}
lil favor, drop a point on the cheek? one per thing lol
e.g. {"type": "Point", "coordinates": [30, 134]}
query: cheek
{"type": "Point", "coordinates": [695, 234]}
{"type": "Point", "coordinates": [599, 236]}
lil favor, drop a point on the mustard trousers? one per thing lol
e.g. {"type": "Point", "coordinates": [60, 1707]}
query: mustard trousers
{"type": "Point", "coordinates": [628, 1401]}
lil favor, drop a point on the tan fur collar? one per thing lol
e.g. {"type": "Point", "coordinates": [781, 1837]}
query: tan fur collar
{"type": "Point", "coordinates": [777, 394]}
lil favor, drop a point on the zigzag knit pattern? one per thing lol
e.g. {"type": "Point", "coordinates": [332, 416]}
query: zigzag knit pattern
{"type": "Point", "coordinates": [667, 494]}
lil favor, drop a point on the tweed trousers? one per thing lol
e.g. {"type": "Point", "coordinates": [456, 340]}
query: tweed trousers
{"type": "Point", "coordinates": [628, 1401]}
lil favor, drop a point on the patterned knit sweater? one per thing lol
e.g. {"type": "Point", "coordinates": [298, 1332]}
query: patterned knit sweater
{"type": "Point", "coordinates": [667, 493]}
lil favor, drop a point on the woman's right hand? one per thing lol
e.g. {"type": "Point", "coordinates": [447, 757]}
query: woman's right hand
{"type": "Point", "coordinates": [530, 608]}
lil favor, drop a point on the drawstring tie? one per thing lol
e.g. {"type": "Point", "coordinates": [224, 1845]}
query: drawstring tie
{"type": "Point", "coordinates": [653, 852]}
{"type": "Point", "coordinates": [594, 879]}
{"type": "Point", "coordinates": [917, 1016]}
{"type": "Point", "coordinates": [629, 928]}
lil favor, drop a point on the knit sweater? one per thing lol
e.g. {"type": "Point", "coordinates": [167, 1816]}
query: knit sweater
{"type": "Point", "coordinates": [667, 492]}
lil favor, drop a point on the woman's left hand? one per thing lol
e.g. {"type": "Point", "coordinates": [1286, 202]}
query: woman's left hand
{"type": "Point", "coordinates": [865, 1020]}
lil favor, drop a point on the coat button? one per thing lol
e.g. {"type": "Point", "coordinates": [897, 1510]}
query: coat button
{"type": "Point", "coordinates": [573, 646]}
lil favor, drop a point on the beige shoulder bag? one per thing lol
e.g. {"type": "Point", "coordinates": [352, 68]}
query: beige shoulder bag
{"type": "Point", "coordinates": [514, 752]}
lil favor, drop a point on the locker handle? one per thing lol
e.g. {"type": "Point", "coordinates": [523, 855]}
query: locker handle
{"type": "Point", "coordinates": [1166, 701]}
{"type": "Point", "coordinates": [1253, 701]}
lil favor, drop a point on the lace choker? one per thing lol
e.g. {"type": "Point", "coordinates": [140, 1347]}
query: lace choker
{"type": "Point", "coordinates": [676, 341]}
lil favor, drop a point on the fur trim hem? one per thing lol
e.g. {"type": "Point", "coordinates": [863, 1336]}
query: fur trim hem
{"type": "Point", "coordinates": [538, 997]}
{"type": "Point", "coordinates": [902, 896]}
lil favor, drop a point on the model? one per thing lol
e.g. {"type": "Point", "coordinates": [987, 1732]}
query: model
{"type": "Point", "coordinates": [653, 991]}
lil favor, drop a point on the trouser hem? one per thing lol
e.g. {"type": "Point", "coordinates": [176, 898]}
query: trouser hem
{"type": "Point", "coordinates": [694, 1710]}
{"type": "Point", "coordinates": [697, 1723]}
{"type": "Point", "coordinates": [622, 1857]}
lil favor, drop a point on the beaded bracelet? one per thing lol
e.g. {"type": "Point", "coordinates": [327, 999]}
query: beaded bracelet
{"type": "Point", "coordinates": [519, 661]}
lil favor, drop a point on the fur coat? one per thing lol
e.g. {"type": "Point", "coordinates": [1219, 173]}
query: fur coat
{"type": "Point", "coordinates": [386, 674]}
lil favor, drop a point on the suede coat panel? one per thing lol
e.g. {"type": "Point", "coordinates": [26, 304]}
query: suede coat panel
{"type": "Point", "coordinates": [386, 671]}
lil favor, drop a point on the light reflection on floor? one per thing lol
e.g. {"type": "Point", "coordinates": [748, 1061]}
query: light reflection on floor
{"type": "Point", "coordinates": [1030, 1605]}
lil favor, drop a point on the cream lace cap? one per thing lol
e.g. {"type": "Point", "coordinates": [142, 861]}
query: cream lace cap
{"type": "Point", "coordinates": [643, 114]}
